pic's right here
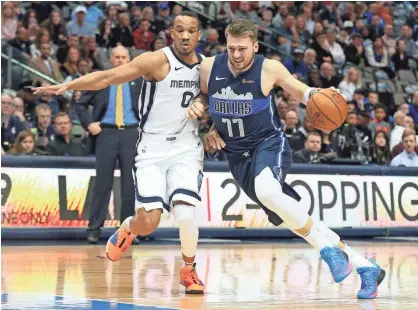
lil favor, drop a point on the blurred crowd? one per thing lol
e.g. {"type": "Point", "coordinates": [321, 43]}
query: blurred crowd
{"type": "Point", "coordinates": [369, 50]}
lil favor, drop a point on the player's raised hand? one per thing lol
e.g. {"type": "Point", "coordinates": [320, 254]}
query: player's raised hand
{"type": "Point", "coordinates": [57, 90]}
{"type": "Point", "coordinates": [196, 109]}
{"type": "Point", "coordinates": [213, 141]}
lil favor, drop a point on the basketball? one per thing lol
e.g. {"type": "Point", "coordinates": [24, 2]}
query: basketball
{"type": "Point", "coordinates": [326, 109]}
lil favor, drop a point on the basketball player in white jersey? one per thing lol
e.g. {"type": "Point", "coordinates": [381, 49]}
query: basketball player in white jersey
{"type": "Point", "coordinates": [169, 159]}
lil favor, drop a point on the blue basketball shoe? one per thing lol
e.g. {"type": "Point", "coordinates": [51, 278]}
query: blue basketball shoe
{"type": "Point", "coordinates": [338, 262]}
{"type": "Point", "coordinates": [371, 277]}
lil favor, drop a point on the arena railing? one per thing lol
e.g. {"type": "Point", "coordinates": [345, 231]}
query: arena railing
{"type": "Point", "coordinates": [15, 59]}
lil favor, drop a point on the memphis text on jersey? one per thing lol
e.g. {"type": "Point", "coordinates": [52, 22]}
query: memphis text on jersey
{"type": "Point", "coordinates": [184, 84]}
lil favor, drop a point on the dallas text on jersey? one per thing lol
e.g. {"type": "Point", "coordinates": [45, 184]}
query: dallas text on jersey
{"type": "Point", "coordinates": [232, 107]}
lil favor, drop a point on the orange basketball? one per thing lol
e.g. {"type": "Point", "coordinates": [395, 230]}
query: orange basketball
{"type": "Point", "coordinates": [326, 109]}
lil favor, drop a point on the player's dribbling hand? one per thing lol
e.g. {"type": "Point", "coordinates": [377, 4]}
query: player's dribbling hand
{"type": "Point", "coordinates": [57, 90]}
{"type": "Point", "coordinates": [196, 109]}
{"type": "Point", "coordinates": [213, 141]}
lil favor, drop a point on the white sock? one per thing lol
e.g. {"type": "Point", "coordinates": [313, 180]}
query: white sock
{"type": "Point", "coordinates": [356, 258]}
{"type": "Point", "coordinates": [353, 256]}
{"type": "Point", "coordinates": [317, 238]}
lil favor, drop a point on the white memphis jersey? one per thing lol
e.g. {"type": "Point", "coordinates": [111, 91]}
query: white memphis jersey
{"type": "Point", "coordinates": [162, 105]}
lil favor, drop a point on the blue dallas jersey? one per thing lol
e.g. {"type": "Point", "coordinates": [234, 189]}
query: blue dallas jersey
{"type": "Point", "coordinates": [242, 114]}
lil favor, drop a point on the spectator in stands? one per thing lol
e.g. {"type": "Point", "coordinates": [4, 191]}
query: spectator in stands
{"type": "Point", "coordinates": [122, 34]}
{"type": "Point", "coordinates": [378, 123]}
{"type": "Point", "coordinates": [10, 124]}
{"type": "Point", "coordinates": [351, 107]}
{"type": "Point", "coordinates": [375, 28]}
{"type": "Point", "coordinates": [380, 153]}
{"type": "Point", "coordinates": [83, 67]}
{"type": "Point", "coordinates": [282, 108]}
{"type": "Point", "coordinates": [79, 26]}
{"type": "Point", "coordinates": [404, 107]}
{"type": "Point", "coordinates": [400, 59]}
{"type": "Point", "coordinates": [69, 68]}
{"type": "Point", "coordinates": [163, 19]}
{"type": "Point", "coordinates": [91, 52]}
{"type": "Point", "coordinates": [412, 22]}
{"type": "Point", "coordinates": [244, 11]}
{"type": "Point", "coordinates": [297, 65]}
{"type": "Point", "coordinates": [388, 41]}
{"type": "Point", "coordinates": [397, 131]}
{"type": "Point", "coordinates": [408, 157]}
{"type": "Point", "coordinates": [286, 35]}
{"type": "Point", "coordinates": [9, 21]}
{"type": "Point", "coordinates": [94, 15]}
{"type": "Point", "coordinates": [362, 124]}
{"type": "Point", "coordinates": [321, 48]}
{"type": "Point", "coordinates": [157, 43]}
{"type": "Point", "coordinates": [304, 36]}
{"type": "Point", "coordinates": [358, 25]}
{"type": "Point", "coordinates": [298, 139]}
{"type": "Point", "coordinates": [354, 52]}
{"type": "Point", "coordinates": [43, 128]}
{"type": "Point", "coordinates": [21, 42]}
{"type": "Point", "coordinates": [280, 16]}
{"type": "Point", "coordinates": [309, 58]}
{"type": "Point", "coordinates": [295, 105]}
{"type": "Point", "coordinates": [362, 105]}
{"type": "Point", "coordinates": [19, 111]}
{"type": "Point", "coordinates": [413, 108]}
{"type": "Point", "coordinates": [42, 37]}
{"type": "Point", "coordinates": [411, 47]}
{"type": "Point", "coordinates": [377, 57]}
{"type": "Point", "coordinates": [49, 100]}
{"type": "Point", "coordinates": [350, 83]}
{"type": "Point", "coordinates": [327, 77]}
{"type": "Point", "coordinates": [335, 48]}
{"type": "Point", "coordinates": [62, 52]}
{"type": "Point", "coordinates": [46, 65]}
{"type": "Point", "coordinates": [307, 15]}
{"type": "Point", "coordinates": [208, 46]}
{"type": "Point", "coordinates": [56, 28]}
{"type": "Point", "coordinates": [291, 122]}
{"type": "Point", "coordinates": [25, 144]}
{"type": "Point", "coordinates": [143, 36]}
{"type": "Point", "coordinates": [310, 154]}
{"type": "Point", "coordinates": [64, 144]}
{"type": "Point", "coordinates": [176, 10]}
{"type": "Point", "coordinates": [314, 78]}
{"type": "Point", "coordinates": [408, 122]}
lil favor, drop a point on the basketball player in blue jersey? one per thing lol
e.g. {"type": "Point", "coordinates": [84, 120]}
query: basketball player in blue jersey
{"type": "Point", "coordinates": [239, 86]}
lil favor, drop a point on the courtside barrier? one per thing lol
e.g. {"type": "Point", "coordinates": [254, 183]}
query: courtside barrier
{"type": "Point", "coordinates": [49, 197]}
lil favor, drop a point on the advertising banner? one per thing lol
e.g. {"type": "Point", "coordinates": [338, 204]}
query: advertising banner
{"type": "Point", "coordinates": [33, 197]}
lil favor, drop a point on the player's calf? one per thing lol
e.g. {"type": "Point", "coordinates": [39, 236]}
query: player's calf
{"type": "Point", "coordinates": [189, 234]}
{"type": "Point", "coordinates": [144, 223]}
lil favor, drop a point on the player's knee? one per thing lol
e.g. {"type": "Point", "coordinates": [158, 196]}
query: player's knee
{"type": "Point", "coordinates": [267, 188]}
{"type": "Point", "coordinates": [184, 213]}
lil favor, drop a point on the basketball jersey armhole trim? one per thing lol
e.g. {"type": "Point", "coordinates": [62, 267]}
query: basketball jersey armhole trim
{"type": "Point", "coordinates": [199, 59]}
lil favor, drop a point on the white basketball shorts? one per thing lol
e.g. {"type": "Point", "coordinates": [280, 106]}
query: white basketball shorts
{"type": "Point", "coordinates": [167, 168]}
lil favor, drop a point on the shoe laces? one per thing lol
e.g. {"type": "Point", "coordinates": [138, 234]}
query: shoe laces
{"type": "Point", "coordinates": [193, 275]}
{"type": "Point", "coordinates": [368, 277]}
{"type": "Point", "coordinates": [335, 258]}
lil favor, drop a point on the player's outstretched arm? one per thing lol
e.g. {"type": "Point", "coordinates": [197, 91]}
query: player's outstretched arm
{"type": "Point", "coordinates": [279, 75]}
{"type": "Point", "coordinates": [144, 63]}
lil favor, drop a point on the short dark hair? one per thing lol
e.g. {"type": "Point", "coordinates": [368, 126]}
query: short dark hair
{"type": "Point", "coordinates": [380, 106]}
{"type": "Point", "coordinates": [315, 134]}
{"type": "Point", "coordinates": [190, 14]}
{"type": "Point", "coordinates": [242, 28]}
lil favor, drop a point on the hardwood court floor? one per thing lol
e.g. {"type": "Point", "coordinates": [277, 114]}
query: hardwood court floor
{"type": "Point", "coordinates": [237, 276]}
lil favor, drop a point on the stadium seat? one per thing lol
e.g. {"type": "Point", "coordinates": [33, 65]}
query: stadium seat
{"type": "Point", "coordinates": [406, 76]}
